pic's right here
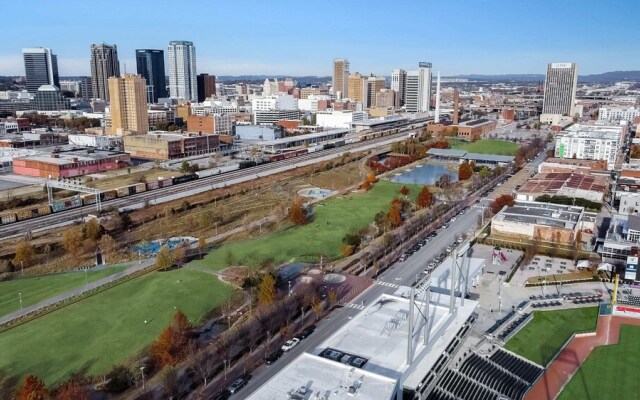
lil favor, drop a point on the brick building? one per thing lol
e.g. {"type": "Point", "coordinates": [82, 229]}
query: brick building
{"type": "Point", "coordinates": [552, 223]}
{"type": "Point", "coordinates": [70, 163]}
{"type": "Point", "coordinates": [166, 146]}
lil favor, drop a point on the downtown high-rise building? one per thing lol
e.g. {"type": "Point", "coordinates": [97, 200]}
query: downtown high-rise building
{"type": "Point", "coordinates": [418, 89]}
{"type": "Point", "coordinates": [398, 84]}
{"type": "Point", "coordinates": [357, 88]}
{"type": "Point", "coordinates": [206, 86]}
{"type": "Point", "coordinates": [128, 105]}
{"type": "Point", "coordinates": [375, 84]}
{"type": "Point", "coordinates": [560, 89]}
{"type": "Point", "coordinates": [104, 65]}
{"type": "Point", "coordinates": [150, 65]}
{"type": "Point", "coordinates": [340, 80]}
{"type": "Point", "coordinates": [183, 83]}
{"type": "Point", "coordinates": [40, 67]}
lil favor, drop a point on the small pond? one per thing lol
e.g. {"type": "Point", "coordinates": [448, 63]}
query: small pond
{"type": "Point", "coordinates": [426, 174]}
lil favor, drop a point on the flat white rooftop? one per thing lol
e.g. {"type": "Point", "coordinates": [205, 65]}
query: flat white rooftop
{"type": "Point", "coordinates": [310, 375]}
{"type": "Point", "coordinates": [376, 339]}
{"type": "Point", "coordinates": [380, 334]}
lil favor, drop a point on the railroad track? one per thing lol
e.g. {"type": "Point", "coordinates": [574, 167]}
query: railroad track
{"type": "Point", "coordinates": [183, 190]}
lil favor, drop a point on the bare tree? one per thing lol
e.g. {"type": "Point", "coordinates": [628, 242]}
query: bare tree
{"type": "Point", "coordinates": [202, 363]}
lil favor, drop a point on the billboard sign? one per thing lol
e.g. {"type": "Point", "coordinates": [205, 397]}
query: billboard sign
{"type": "Point", "coordinates": [631, 269]}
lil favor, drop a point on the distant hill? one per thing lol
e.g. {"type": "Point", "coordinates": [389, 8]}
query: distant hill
{"type": "Point", "coordinates": [260, 78]}
{"type": "Point", "coordinates": [614, 76]}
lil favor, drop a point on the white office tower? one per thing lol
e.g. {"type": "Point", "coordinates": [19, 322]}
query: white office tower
{"type": "Point", "coordinates": [40, 67]}
{"type": "Point", "coordinates": [559, 91]}
{"type": "Point", "coordinates": [398, 84]}
{"type": "Point", "coordinates": [437, 117]}
{"type": "Point", "coordinates": [418, 89]}
{"type": "Point", "coordinates": [182, 70]}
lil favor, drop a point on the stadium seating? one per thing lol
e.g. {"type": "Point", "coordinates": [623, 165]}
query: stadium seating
{"type": "Point", "coordinates": [513, 326]}
{"type": "Point", "coordinates": [502, 374]}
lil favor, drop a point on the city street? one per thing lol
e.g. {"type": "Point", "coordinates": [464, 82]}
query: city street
{"type": "Point", "coordinates": [399, 274]}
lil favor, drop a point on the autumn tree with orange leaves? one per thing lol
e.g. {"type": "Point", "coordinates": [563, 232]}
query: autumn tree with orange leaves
{"type": "Point", "coordinates": [404, 191]}
{"type": "Point", "coordinates": [72, 390]}
{"type": "Point", "coordinates": [170, 347]}
{"type": "Point", "coordinates": [32, 389]}
{"type": "Point", "coordinates": [424, 198]}
{"type": "Point", "coordinates": [464, 171]}
{"type": "Point", "coordinates": [297, 213]}
{"type": "Point", "coordinates": [395, 213]}
{"type": "Point", "coordinates": [500, 202]}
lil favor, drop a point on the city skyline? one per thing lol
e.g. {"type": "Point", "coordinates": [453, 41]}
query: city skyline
{"type": "Point", "coordinates": [517, 39]}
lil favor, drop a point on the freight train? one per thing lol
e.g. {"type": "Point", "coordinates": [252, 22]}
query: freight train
{"type": "Point", "coordinates": [88, 199]}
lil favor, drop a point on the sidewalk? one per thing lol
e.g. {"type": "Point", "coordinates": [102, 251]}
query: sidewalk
{"type": "Point", "coordinates": [75, 292]}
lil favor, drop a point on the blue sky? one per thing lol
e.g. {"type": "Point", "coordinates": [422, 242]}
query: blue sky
{"type": "Point", "coordinates": [235, 37]}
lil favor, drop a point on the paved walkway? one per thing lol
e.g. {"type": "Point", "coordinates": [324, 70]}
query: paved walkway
{"type": "Point", "coordinates": [571, 357]}
{"type": "Point", "coordinates": [75, 292]}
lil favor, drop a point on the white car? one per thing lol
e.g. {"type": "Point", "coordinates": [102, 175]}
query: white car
{"type": "Point", "coordinates": [291, 343]}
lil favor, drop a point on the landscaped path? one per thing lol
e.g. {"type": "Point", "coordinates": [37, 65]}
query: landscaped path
{"type": "Point", "coordinates": [571, 357]}
{"type": "Point", "coordinates": [135, 266]}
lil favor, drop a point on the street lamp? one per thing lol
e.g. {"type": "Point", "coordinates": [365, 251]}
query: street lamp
{"type": "Point", "coordinates": [142, 372]}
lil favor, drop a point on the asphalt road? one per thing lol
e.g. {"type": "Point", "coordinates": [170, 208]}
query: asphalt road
{"type": "Point", "coordinates": [399, 274]}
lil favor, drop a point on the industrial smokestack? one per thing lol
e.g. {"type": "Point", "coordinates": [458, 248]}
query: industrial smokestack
{"type": "Point", "coordinates": [456, 100]}
{"type": "Point", "coordinates": [437, 117]}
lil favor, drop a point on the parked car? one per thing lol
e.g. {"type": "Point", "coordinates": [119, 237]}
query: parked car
{"type": "Point", "coordinates": [273, 357]}
{"type": "Point", "coordinates": [238, 384]}
{"type": "Point", "coordinates": [290, 344]}
{"type": "Point", "coordinates": [307, 331]}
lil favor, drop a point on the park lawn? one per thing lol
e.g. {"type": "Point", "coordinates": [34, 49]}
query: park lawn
{"type": "Point", "coordinates": [548, 331]}
{"type": "Point", "coordinates": [323, 235]}
{"type": "Point", "coordinates": [486, 146]}
{"type": "Point", "coordinates": [610, 371]}
{"type": "Point", "coordinates": [38, 288]}
{"type": "Point", "coordinates": [108, 328]}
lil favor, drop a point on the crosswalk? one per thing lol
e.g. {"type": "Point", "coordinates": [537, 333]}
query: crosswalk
{"type": "Point", "coordinates": [356, 306]}
{"type": "Point", "coordinates": [389, 284]}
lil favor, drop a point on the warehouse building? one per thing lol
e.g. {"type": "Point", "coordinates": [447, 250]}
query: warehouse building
{"type": "Point", "coordinates": [69, 164]}
{"type": "Point", "coordinates": [166, 146]}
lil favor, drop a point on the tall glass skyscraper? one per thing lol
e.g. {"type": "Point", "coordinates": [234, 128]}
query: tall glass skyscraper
{"type": "Point", "coordinates": [104, 65]}
{"type": "Point", "coordinates": [150, 65]}
{"type": "Point", "coordinates": [40, 67]}
{"type": "Point", "coordinates": [183, 83]}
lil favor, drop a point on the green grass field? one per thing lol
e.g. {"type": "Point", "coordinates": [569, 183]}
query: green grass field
{"type": "Point", "coordinates": [332, 220]}
{"type": "Point", "coordinates": [108, 328]}
{"type": "Point", "coordinates": [38, 288]}
{"type": "Point", "coordinates": [610, 371]}
{"type": "Point", "coordinates": [548, 331]}
{"type": "Point", "coordinates": [486, 146]}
